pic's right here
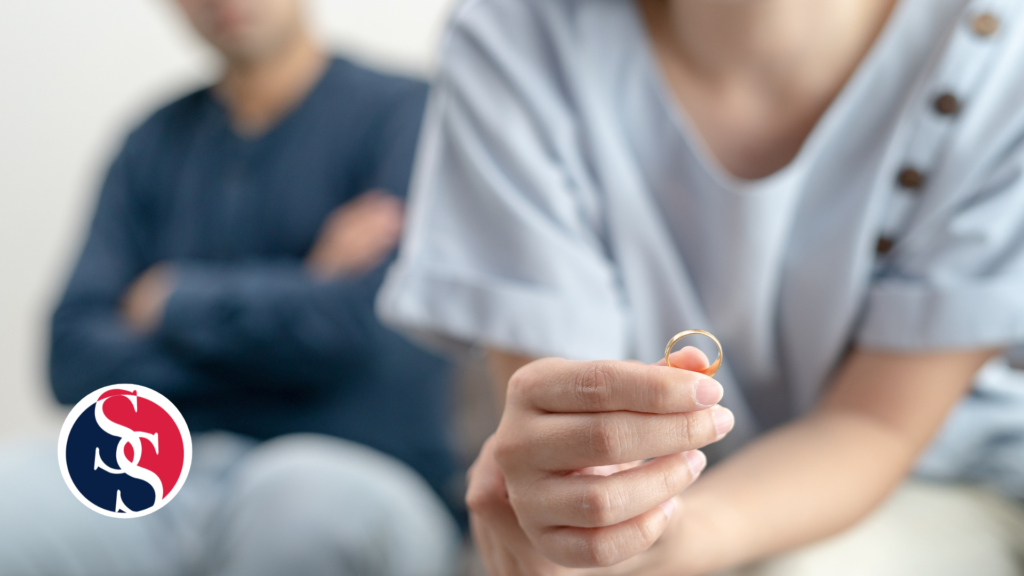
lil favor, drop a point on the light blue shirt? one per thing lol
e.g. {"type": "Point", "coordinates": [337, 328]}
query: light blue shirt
{"type": "Point", "coordinates": [562, 205]}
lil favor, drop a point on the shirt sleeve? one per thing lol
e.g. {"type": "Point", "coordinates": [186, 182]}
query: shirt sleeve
{"type": "Point", "coordinates": [239, 325]}
{"type": "Point", "coordinates": [271, 322]}
{"type": "Point", "coordinates": [396, 137]}
{"type": "Point", "coordinates": [505, 246]}
{"type": "Point", "coordinates": [90, 345]}
{"type": "Point", "coordinates": [960, 282]}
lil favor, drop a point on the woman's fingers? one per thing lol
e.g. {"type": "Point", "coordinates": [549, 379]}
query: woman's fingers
{"type": "Point", "coordinates": [504, 548]}
{"type": "Point", "coordinates": [592, 501]}
{"type": "Point", "coordinates": [527, 494]}
{"type": "Point", "coordinates": [556, 385]}
{"type": "Point", "coordinates": [588, 547]}
{"type": "Point", "coordinates": [688, 358]}
{"type": "Point", "coordinates": [563, 442]}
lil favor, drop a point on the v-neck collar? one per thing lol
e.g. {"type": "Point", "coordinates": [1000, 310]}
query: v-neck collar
{"type": "Point", "coordinates": [695, 142]}
{"type": "Point", "coordinates": [288, 118]}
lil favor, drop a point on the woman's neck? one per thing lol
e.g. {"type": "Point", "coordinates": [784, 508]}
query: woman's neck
{"type": "Point", "coordinates": [755, 76]}
{"type": "Point", "coordinates": [795, 43]}
{"type": "Point", "coordinates": [259, 93]}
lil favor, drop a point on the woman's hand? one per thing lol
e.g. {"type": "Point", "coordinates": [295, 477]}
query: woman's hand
{"type": "Point", "coordinates": [559, 484]}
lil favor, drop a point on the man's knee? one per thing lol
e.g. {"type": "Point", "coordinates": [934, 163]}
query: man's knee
{"type": "Point", "coordinates": [311, 475]}
{"type": "Point", "coordinates": [45, 530]}
{"type": "Point", "coordinates": [314, 498]}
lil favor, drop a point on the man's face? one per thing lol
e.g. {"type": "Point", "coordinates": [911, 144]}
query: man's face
{"type": "Point", "coordinates": [245, 30]}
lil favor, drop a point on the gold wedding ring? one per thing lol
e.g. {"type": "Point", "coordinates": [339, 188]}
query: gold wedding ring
{"type": "Point", "coordinates": [710, 370]}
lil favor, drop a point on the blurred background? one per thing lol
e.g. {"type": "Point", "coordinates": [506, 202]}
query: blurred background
{"type": "Point", "coordinates": [76, 77]}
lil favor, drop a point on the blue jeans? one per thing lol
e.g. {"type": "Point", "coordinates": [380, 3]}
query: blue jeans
{"type": "Point", "coordinates": [300, 504]}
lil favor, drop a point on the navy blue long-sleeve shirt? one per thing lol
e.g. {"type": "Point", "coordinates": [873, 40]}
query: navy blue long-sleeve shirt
{"type": "Point", "coordinates": [249, 341]}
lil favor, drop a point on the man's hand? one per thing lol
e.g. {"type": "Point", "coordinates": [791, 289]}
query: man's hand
{"type": "Point", "coordinates": [143, 303]}
{"type": "Point", "coordinates": [357, 236]}
{"type": "Point", "coordinates": [559, 483]}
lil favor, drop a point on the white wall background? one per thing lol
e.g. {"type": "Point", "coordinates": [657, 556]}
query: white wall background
{"type": "Point", "coordinates": [74, 77]}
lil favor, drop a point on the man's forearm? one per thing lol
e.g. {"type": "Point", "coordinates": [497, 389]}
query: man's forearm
{"type": "Point", "coordinates": [269, 320]}
{"type": "Point", "coordinates": [91, 347]}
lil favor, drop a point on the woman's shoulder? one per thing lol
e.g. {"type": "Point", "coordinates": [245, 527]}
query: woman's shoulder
{"type": "Point", "coordinates": [974, 91]}
{"type": "Point", "coordinates": [522, 20]}
{"type": "Point", "coordinates": [537, 42]}
{"type": "Point", "coordinates": [470, 10]}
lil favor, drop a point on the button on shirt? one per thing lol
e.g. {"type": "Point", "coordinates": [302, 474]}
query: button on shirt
{"type": "Point", "coordinates": [563, 206]}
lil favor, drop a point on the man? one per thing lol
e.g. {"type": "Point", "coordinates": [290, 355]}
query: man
{"type": "Point", "coordinates": [216, 273]}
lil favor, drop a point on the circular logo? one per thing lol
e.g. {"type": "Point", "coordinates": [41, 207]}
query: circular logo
{"type": "Point", "coordinates": [124, 451]}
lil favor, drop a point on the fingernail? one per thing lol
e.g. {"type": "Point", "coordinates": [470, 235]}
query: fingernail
{"type": "Point", "coordinates": [696, 461]}
{"type": "Point", "coordinates": [604, 470]}
{"type": "Point", "coordinates": [724, 420]}
{"type": "Point", "coordinates": [668, 507]}
{"type": "Point", "coordinates": [709, 392]}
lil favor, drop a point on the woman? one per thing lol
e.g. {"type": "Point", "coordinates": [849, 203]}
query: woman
{"type": "Point", "coordinates": [832, 188]}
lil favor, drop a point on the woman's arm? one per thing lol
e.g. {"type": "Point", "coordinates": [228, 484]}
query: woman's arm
{"type": "Point", "coordinates": [820, 474]}
{"type": "Point", "coordinates": [798, 484]}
